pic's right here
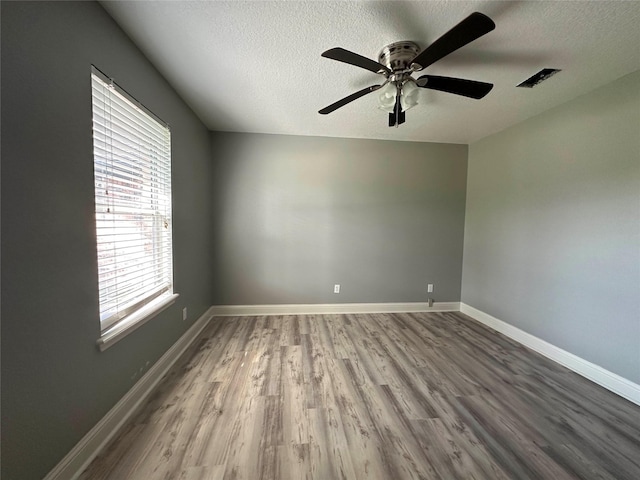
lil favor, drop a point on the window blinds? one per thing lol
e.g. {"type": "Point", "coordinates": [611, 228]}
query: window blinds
{"type": "Point", "coordinates": [132, 171]}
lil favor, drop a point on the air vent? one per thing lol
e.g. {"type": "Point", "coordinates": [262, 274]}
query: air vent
{"type": "Point", "coordinates": [541, 76]}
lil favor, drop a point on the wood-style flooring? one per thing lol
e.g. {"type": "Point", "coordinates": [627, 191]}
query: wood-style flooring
{"type": "Point", "coordinates": [371, 396]}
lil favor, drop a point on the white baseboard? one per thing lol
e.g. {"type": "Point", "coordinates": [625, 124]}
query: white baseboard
{"type": "Point", "coordinates": [609, 380]}
{"type": "Point", "coordinates": [79, 458]}
{"type": "Point", "coordinates": [318, 309]}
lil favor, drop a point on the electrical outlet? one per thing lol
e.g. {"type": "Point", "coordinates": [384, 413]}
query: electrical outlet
{"type": "Point", "coordinates": [430, 288]}
{"type": "Point", "coordinates": [336, 288]}
{"type": "Point", "coordinates": [184, 314]}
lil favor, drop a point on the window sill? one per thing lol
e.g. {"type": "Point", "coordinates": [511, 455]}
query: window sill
{"type": "Point", "coordinates": [126, 326]}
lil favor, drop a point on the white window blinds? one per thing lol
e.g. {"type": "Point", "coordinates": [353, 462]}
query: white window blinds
{"type": "Point", "coordinates": [132, 170]}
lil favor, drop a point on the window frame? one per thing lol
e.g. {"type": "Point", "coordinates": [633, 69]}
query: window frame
{"type": "Point", "coordinates": [142, 208]}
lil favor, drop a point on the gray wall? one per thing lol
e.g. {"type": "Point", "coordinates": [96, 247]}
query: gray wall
{"type": "Point", "coordinates": [300, 214]}
{"type": "Point", "coordinates": [552, 234]}
{"type": "Point", "coordinates": [55, 383]}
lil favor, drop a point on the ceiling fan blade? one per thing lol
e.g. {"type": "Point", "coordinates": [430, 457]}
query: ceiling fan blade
{"type": "Point", "coordinates": [458, 86]}
{"type": "Point", "coordinates": [342, 55]}
{"type": "Point", "coordinates": [468, 30]}
{"type": "Point", "coordinates": [349, 99]}
{"type": "Point", "coordinates": [397, 118]}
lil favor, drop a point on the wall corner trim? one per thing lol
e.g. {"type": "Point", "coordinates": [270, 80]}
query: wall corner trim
{"type": "Point", "coordinates": [331, 308]}
{"type": "Point", "coordinates": [609, 380]}
{"type": "Point", "coordinates": [80, 456]}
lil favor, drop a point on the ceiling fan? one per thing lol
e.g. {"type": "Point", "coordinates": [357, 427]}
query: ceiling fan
{"type": "Point", "coordinates": [399, 60]}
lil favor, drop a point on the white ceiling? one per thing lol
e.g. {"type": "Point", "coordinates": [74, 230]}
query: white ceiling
{"type": "Point", "coordinates": [256, 66]}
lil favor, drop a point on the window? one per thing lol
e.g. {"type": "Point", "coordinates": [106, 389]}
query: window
{"type": "Point", "coordinates": [132, 172]}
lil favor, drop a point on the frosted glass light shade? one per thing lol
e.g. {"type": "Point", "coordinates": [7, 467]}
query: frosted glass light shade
{"type": "Point", "coordinates": [409, 96]}
{"type": "Point", "coordinates": [387, 97]}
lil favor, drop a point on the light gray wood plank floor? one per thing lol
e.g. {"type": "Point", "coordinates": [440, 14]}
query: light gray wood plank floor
{"type": "Point", "coordinates": [371, 396]}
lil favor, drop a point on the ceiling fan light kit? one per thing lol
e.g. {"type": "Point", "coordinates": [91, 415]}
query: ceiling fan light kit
{"type": "Point", "coordinates": [398, 61]}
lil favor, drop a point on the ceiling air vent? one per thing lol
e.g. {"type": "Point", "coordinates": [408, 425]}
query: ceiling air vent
{"type": "Point", "coordinates": [541, 76]}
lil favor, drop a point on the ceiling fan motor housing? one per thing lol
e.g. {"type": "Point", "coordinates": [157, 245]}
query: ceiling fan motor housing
{"type": "Point", "coordinates": [398, 56]}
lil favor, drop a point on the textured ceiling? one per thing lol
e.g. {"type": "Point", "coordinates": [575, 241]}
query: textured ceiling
{"type": "Point", "coordinates": [256, 66]}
